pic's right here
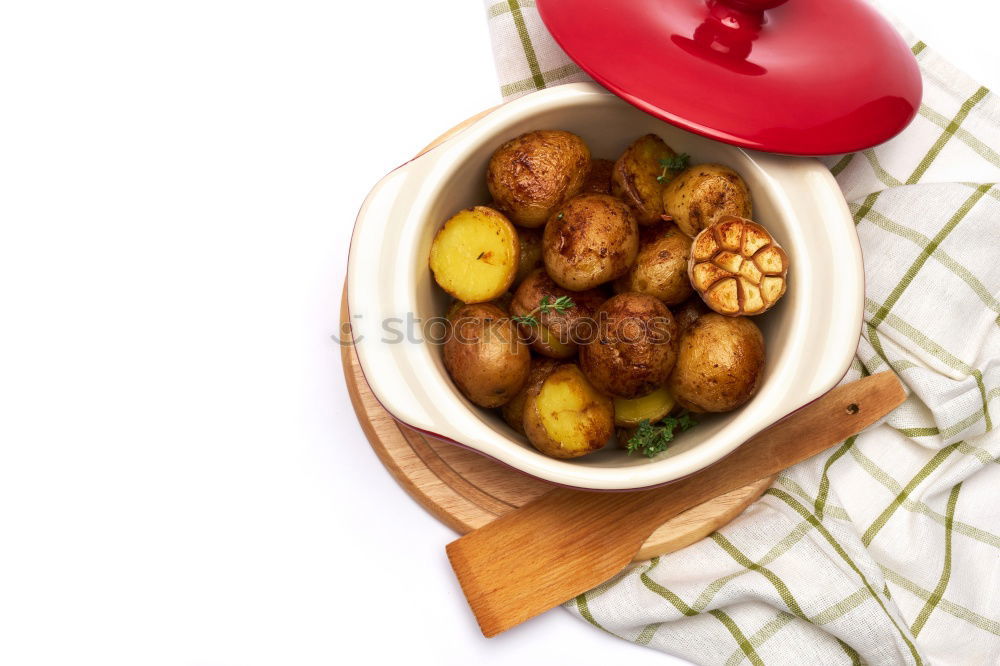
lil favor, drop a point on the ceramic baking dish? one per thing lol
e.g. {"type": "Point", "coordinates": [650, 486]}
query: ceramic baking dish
{"type": "Point", "coordinates": [811, 334]}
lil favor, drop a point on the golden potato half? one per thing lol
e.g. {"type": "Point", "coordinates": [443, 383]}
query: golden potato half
{"type": "Point", "coordinates": [532, 175]}
{"type": "Point", "coordinates": [719, 364]}
{"type": "Point", "coordinates": [484, 356]}
{"type": "Point", "coordinates": [591, 240]}
{"type": "Point", "coordinates": [475, 255]}
{"type": "Point", "coordinates": [513, 411]}
{"type": "Point", "coordinates": [737, 268]}
{"type": "Point", "coordinates": [703, 194]}
{"type": "Point", "coordinates": [566, 417]}
{"type": "Point", "coordinates": [638, 177]}
{"type": "Point", "coordinates": [635, 347]}
{"type": "Point", "coordinates": [651, 407]}
{"type": "Point", "coordinates": [661, 267]}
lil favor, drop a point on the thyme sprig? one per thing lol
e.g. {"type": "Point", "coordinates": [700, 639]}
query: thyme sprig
{"type": "Point", "coordinates": [651, 440]}
{"type": "Point", "coordinates": [545, 306]}
{"type": "Point", "coordinates": [673, 163]}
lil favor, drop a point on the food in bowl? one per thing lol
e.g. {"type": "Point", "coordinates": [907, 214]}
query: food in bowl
{"type": "Point", "coordinates": [587, 341]}
{"type": "Point", "coordinates": [737, 268]}
{"type": "Point", "coordinates": [661, 267]}
{"type": "Point", "coordinates": [640, 173]}
{"type": "Point", "coordinates": [535, 173]}
{"type": "Point", "coordinates": [720, 361]}
{"type": "Point", "coordinates": [702, 194]}
{"type": "Point", "coordinates": [484, 356]}
{"type": "Point", "coordinates": [475, 255]}
{"type": "Point", "coordinates": [589, 241]}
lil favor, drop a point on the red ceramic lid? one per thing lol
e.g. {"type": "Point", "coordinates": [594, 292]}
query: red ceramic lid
{"type": "Point", "coordinates": [802, 77]}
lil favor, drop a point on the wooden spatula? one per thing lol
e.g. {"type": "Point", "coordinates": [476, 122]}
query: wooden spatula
{"type": "Point", "coordinates": [568, 541]}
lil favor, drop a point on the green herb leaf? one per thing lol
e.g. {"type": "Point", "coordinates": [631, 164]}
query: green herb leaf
{"type": "Point", "coordinates": [545, 306]}
{"type": "Point", "coordinates": [675, 163]}
{"type": "Point", "coordinates": [652, 440]}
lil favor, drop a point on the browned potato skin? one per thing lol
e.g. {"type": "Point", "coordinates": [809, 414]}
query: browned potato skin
{"type": "Point", "coordinates": [513, 411]}
{"type": "Point", "coordinates": [532, 175]}
{"type": "Point", "coordinates": [661, 267]}
{"type": "Point", "coordinates": [635, 174]}
{"type": "Point", "coordinates": [531, 253]}
{"type": "Point", "coordinates": [484, 356]}
{"type": "Point", "coordinates": [719, 363]}
{"type": "Point", "coordinates": [591, 240]}
{"type": "Point", "coordinates": [635, 349]}
{"type": "Point", "coordinates": [688, 313]}
{"type": "Point", "coordinates": [703, 194]}
{"type": "Point", "coordinates": [535, 430]}
{"type": "Point", "coordinates": [503, 302]}
{"type": "Point", "coordinates": [563, 325]}
{"type": "Point", "coordinates": [599, 179]}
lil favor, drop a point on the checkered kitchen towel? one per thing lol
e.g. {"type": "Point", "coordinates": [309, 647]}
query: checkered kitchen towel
{"type": "Point", "coordinates": [885, 550]}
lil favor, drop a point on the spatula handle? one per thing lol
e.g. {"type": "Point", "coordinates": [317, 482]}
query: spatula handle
{"type": "Point", "coordinates": [568, 541]}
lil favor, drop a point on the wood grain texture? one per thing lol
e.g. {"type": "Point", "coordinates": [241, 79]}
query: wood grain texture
{"type": "Point", "coordinates": [568, 541]}
{"type": "Point", "coordinates": [466, 491]}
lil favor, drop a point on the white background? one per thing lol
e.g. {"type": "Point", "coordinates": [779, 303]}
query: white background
{"type": "Point", "coordinates": [182, 478]}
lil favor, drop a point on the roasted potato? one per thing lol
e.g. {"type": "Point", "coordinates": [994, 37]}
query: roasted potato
{"type": "Point", "coordinates": [639, 175]}
{"type": "Point", "coordinates": [513, 411]}
{"type": "Point", "coordinates": [719, 363]}
{"type": "Point", "coordinates": [531, 253]}
{"type": "Point", "coordinates": [556, 334]}
{"type": "Point", "coordinates": [474, 256]}
{"type": "Point", "coordinates": [484, 356]}
{"type": "Point", "coordinates": [737, 268]}
{"type": "Point", "coordinates": [703, 194]}
{"type": "Point", "coordinates": [651, 407]}
{"type": "Point", "coordinates": [599, 178]}
{"type": "Point", "coordinates": [661, 267]}
{"type": "Point", "coordinates": [532, 175]}
{"type": "Point", "coordinates": [566, 417]}
{"type": "Point", "coordinates": [591, 240]}
{"type": "Point", "coordinates": [635, 348]}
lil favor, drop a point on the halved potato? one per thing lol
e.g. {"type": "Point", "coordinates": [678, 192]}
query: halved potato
{"type": "Point", "coordinates": [651, 407]}
{"type": "Point", "coordinates": [475, 255]}
{"type": "Point", "coordinates": [566, 417]}
{"type": "Point", "coordinates": [513, 411]}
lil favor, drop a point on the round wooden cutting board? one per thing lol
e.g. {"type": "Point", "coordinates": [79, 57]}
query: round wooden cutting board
{"type": "Point", "coordinates": [466, 490]}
